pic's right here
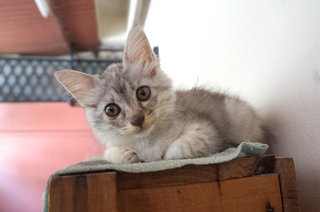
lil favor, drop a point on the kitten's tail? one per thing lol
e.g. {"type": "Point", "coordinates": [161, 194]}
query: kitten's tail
{"type": "Point", "coordinates": [267, 136]}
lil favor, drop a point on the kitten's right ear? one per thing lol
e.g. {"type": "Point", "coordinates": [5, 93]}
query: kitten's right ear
{"type": "Point", "coordinates": [138, 55]}
{"type": "Point", "coordinates": [80, 85]}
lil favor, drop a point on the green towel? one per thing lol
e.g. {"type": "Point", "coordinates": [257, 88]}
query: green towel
{"type": "Point", "coordinates": [245, 149]}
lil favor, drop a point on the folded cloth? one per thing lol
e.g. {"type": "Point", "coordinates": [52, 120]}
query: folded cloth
{"type": "Point", "coordinates": [245, 149]}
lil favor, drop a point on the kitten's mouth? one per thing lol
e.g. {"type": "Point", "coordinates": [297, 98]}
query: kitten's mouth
{"type": "Point", "coordinates": [143, 131]}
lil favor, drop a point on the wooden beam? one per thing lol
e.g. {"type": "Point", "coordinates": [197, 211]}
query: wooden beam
{"type": "Point", "coordinates": [244, 184]}
{"type": "Point", "coordinates": [96, 192]}
{"type": "Point", "coordinates": [241, 167]}
{"type": "Point", "coordinates": [258, 193]}
{"type": "Point", "coordinates": [25, 31]}
{"type": "Point", "coordinates": [287, 176]}
{"type": "Point", "coordinates": [77, 20]}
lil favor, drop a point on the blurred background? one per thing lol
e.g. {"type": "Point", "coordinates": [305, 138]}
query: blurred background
{"type": "Point", "coordinates": [267, 52]}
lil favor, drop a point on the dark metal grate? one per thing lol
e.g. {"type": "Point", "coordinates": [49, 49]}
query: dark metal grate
{"type": "Point", "coordinates": [32, 80]}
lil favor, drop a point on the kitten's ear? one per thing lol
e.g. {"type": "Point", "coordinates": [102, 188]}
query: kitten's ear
{"type": "Point", "coordinates": [80, 85]}
{"type": "Point", "coordinates": [138, 55]}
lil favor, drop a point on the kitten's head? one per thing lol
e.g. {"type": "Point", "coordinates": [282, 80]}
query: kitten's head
{"type": "Point", "coordinates": [131, 98]}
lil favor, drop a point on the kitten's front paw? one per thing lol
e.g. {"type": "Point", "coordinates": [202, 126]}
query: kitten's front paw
{"type": "Point", "coordinates": [120, 155]}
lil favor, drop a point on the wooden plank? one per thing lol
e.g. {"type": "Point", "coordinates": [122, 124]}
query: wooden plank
{"type": "Point", "coordinates": [241, 167]}
{"type": "Point", "coordinates": [287, 176]}
{"type": "Point", "coordinates": [25, 31]}
{"type": "Point", "coordinates": [92, 192]}
{"type": "Point", "coordinates": [78, 20]}
{"type": "Point", "coordinates": [179, 186]}
{"type": "Point", "coordinates": [102, 192]}
{"type": "Point", "coordinates": [259, 193]}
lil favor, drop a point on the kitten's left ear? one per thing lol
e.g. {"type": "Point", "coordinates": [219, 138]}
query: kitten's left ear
{"type": "Point", "coordinates": [138, 55]}
{"type": "Point", "coordinates": [83, 87]}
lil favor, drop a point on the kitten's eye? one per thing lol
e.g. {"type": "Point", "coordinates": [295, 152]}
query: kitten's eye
{"type": "Point", "coordinates": [112, 110]}
{"type": "Point", "coordinates": [143, 93]}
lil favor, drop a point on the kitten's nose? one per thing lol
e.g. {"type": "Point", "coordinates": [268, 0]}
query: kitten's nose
{"type": "Point", "coordinates": [137, 121]}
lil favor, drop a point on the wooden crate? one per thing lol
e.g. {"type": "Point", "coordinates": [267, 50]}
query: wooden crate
{"type": "Point", "coordinates": [255, 184]}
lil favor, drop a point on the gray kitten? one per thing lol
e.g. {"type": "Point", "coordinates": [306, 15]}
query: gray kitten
{"type": "Point", "coordinates": [134, 111]}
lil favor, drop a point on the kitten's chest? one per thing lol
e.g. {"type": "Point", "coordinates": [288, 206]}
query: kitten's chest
{"type": "Point", "coordinates": [154, 147]}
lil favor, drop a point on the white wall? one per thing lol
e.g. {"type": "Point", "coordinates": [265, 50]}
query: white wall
{"type": "Point", "coordinates": [268, 52]}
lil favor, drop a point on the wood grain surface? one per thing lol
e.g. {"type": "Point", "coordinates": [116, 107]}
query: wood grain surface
{"type": "Point", "coordinates": [244, 184]}
{"type": "Point", "coordinates": [78, 22]}
{"type": "Point", "coordinates": [95, 192]}
{"type": "Point", "coordinates": [23, 30]}
{"type": "Point", "coordinates": [287, 176]}
{"type": "Point", "coordinates": [242, 167]}
{"type": "Point", "coordinates": [256, 194]}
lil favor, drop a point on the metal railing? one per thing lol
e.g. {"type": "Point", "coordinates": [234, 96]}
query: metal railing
{"type": "Point", "coordinates": [30, 79]}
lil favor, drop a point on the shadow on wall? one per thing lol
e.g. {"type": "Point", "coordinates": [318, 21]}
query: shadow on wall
{"type": "Point", "coordinates": [294, 118]}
